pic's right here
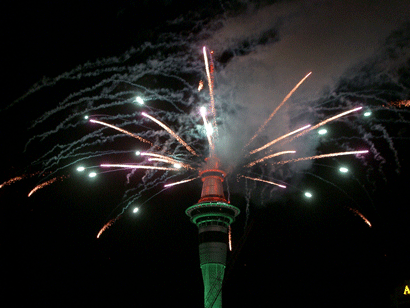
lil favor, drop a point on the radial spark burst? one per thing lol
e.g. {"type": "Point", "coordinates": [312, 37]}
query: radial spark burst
{"type": "Point", "coordinates": [256, 136]}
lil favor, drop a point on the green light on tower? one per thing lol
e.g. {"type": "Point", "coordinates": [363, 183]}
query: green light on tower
{"type": "Point", "coordinates": [213, 216]}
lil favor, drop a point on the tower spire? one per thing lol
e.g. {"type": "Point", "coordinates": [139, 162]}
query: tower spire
{"type": "Point", "coordinates": [213, 216]}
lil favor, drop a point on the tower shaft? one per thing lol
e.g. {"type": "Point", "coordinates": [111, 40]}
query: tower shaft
{"type": "Point", "coordinates": [213, 216]}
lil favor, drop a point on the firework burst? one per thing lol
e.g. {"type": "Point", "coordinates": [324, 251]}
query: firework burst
{"type": "Point", "coordinates": [156, 108]}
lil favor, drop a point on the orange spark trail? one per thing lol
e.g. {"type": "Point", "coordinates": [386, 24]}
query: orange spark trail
{"type": "Point", "coordinates": [45, 184]}
{"type": "Point", "coordinates": [107, 225]}
{"type": "Point", "coordinates": [209, 74]}
{"type": "Point", "coordinates": [13, 180]}
{"type": "Point", "coordinates": [269, 156]}
{"type": "Point", "coordinates": [171, 132]}
{"type": "Point", "coordinates": [280, 138]}
{"type": "Point", "coordinates": [180, 182]}
{"type": "Point", "coordinates": [208, 134]}
{"type": "Point", "coordinates": [18, 178]}
{"type": "Point", "coordinates": [137, 167]}
{"type": "Point", "coordinates": [400, 104]}
{"type": "Point", "coordinates": [277, 108]}
{"type": "Point", "coordinates": [361, 216]}
{"type": "Point", "coordinates": [319, 156]}
{"type": "Point", "coordinates": [121, 130]}
{"type": "Point", "coordinates": [326, 121]}
{"type": "Point", "coordinates": [166, 159]}
{"type": "Point", "coordinates": [264, 181]}
{"type": "Point", "coordinates": [200, 85]}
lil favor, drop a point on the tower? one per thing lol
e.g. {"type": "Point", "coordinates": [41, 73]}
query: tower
{"type": "Point", "coordinates": [213, 216]}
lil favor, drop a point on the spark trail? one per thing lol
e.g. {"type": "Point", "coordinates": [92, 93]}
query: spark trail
{"type": "Point", "coordinates": [279, 139]}
{"type": "Point", "coordinates": [121, 130]}
{"type": "Point", "coordinates": [326, 121]}
{"type": "Point", "coordinates": [17, 178]}
{"type": "Point", "coordinates": [42, 185]}
{"type": "Point", "coordinates": [320, 156]}
{"type": "Point", "coordinates": [264, 181]}
{"type": "Point", "coordinates": [171, 132]}
{"type": "Point", "coordinates": [13, 180]}
{"type": "Point", "coordinates": [209, 74]}
{"type": "Point", "coordinates": [180, 182]}
{"type": "Point", "coordinates": [166, 159]}
{"type": "Point", "coordinates": [126, 166]}
{"type": "Point", "coordinates": [361, 216]}
{"type": "Point", "coordinates": [107, 225]}
{"type": "Point", "coordinates": [277, 108]}
{"type": "Point", "coordinates": [267, 157]}
{"type": "Point", "coordinates": [208, 132]}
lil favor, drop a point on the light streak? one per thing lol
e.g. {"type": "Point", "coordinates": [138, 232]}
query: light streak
{"type": "Point", "coordinates": [319, 156]}
{"type": "Point", "coordinates": [107, 225]}
{"type": "Point", "coordinates": [279, 139]}
{"type": "Point", "coordinates": [361, 216]}
{"type": "Point", "coordinates": [277, 108]}
{"type": "Point", "coordinates": [209, 74]}
{"type": "Point", "coordinates": [269, 156]}
{"type": "Point", "coordinates": [326, 121]}
{"type": "Point", "coordinates": [200, 85]}
{"type": "Point", "coordinates": [230, 238]}
{"type": "Point", "coordinates": [264, 181]}
{"type": "Point", "coordinates": [126, 166]}
{"type": "Point", "coordinates": [171, 132]}
{"type": "Point", "coordinates": [403, 103]}
{"type": "Point", "coordinates": [17, 178]}
{"type": "Point", "coordinates": [160, 160]}
{"type": "Point", "coordinates": [180, 182]}
{"type": "Point", "coordinates": [121, 130]}
{"type": "Point", "coordinates": [13, 180]}
{"type": "Point", "coordinates": [208, 134]}
{"type": "Point", "coordinates": [45, 184]}
{"type": "Point", "coordinates": [165, 159]}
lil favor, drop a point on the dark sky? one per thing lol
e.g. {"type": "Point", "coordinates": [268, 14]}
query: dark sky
{"type": "Point", "coordinates": [70, 58]}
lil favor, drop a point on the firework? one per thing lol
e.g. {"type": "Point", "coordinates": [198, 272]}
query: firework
{"type": "Point", "coordinates": [166, 159]}
{"type": "Point", "coordinates": [171, 132]}
{"type": "Point", "coordinates": [277, 108]}
{"type": "Point", "coordinates": [180, 182]}
{"type": "Point", "coordinates": [269, 156]}
{"type": "Point", "coordinates": [361, 216]}
{"type": "Point", "coordinates": [208, 132]}
{"type": "Point", "coordinates": [325, 122]}
{"type": "Point", "coordinates": [18, 178]}
{"type": "Point", "coordinates": [404, 103]}
{"type": "Point", "coordinates": [42, 185]}
{"type": "Point", "coordinates": [126, 166]}
{"type": "Point", "coordinates": [107, 225]}
{"type": "Point", "coordinates": [230, 238]}
{"type": "Point", "coordinates": [264, 181]}
{"type": "Point", "coordinates": [121, 130]}
{"type": "Point", "coordinates": [200, 85]}
{"type": "Point", "coordinates": [320, 156]}
{"type": "Point", "coordinates": [210, 76]}
{"type": "Point", "coordinates": [13, 180]}
{"type": "Point", "coordinates": [279, 139]}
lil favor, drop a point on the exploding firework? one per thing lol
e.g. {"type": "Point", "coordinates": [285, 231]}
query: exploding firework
{"type": "Point", "coordinates": [169, 90]}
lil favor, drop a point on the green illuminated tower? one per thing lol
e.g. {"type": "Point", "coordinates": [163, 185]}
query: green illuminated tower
{"type": "Point", "coordinates": [213, 216]}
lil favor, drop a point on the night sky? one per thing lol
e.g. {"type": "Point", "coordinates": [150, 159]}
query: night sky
{"type": "Point", "coordinates": [68, 59]}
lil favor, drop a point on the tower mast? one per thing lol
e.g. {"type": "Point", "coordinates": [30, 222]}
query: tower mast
{"type": "Point", "coordinates": [213, 216]}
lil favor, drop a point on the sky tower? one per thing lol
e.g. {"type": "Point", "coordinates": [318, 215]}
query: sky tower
{"type": "Point", "coordinates": [213, 216]}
